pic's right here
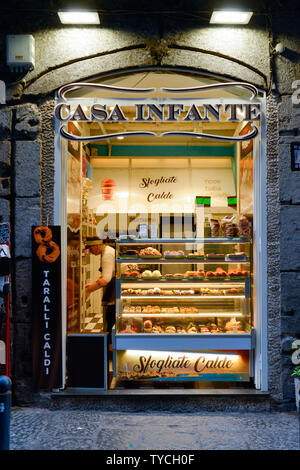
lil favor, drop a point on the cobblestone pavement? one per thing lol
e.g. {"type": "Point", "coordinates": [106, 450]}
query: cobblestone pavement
{"type": "Point", "coordinates": [43, 429]}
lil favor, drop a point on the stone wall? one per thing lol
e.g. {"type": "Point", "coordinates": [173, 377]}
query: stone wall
{"type": "Point", "coordinates": [27, 148]}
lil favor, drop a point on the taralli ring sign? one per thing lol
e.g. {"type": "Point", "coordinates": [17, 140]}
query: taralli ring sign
{"type": "Point", "coordinates": [46, 305]}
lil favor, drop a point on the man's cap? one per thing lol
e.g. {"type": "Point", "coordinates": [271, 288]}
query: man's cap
{"type": "Point", "coordinates": [92, 241]}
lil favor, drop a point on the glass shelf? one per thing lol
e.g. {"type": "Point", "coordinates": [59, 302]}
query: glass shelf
{"type": "Point", "coordinates": [174, 241]}
{"type": "Point", "coordinates": [178, 261]}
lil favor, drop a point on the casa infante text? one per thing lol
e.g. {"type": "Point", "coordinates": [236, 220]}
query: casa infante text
{"type": "Point", "coordinates": [159, 112]}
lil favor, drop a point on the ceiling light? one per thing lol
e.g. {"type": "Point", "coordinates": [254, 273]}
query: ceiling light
{"type": "Point", "coordinates": [78, 17]}
{"type": "Point", "coordinates": [231, 16]}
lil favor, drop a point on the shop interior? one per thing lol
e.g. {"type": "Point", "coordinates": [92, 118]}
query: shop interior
{"type": "Point", "coordinates": [178, 211]}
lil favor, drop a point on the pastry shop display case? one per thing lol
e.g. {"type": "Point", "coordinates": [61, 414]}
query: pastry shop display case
{"type": "Point", "coordinates": [184, 294]}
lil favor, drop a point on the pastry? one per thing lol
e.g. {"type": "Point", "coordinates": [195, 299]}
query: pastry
{"type": "Point", "coordinates": [219, 272]}
{"type": "Point", "coordinates": [149, 251]}
{"type": "Point", "coordinates": [169, 276]}
{"type": "Point", "coordinates": [156, 274]}
{"type": "Point", "coordinates": [210, 274]}
{"type": "Point", "coordinates": [191, 274]}
{"type": "Point", "coordinates": [147, 326]}
{"type": "Point", "coordinates": [131, 253]}
{"type": "Point", "coordinates": [245, 228]}
{"type": "Point", "coordinates": [215, 227]}
{"type": "Point", "coordinates": [174, 254]}
{"type": "Point", "coordinates": [203, 329]}
{"type": "Point", "coordinates": [156, 330]}
{"type": "Point", "coordinates": [168, 292]}
{"type": "Point", "coordinates": [192, 330]}
{"type": "Point", "coordinates": [42, 234]}
{"type": "Point", "coordinates": [233, 326]}
{"type": "Point", "coordinates": [241, 256]}
{"type": "Point", "coordinates": [215, 256]}
{"type": "Point", "coordinates": [147, 273]}
{"type": "Point", "coordinates": [214, 328]}
{"type": "Point", "coordinates": [181, 330]}
{"type": "Point", "coordinates": [201, 273]}
{"type": "Point", "coordinates": [48, 252]}
{"type": "Point", "coordinates": [170, 329]}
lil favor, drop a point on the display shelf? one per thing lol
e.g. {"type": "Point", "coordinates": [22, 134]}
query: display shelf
{"type": "Point", "coordinates": [199, 314]}
{"type": "Point", "coordinates": [219, 299]}
{"type": "Point", "coordinates": [180, 241]}
{"type": "Point", "coordinates": [181, 297]}
{"type": "Point", "coordinates": [186, 281]}
{"type": "Point", "coordinates": [178, 261]}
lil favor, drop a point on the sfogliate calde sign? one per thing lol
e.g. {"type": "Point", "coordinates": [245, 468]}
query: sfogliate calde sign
{"type": "Point", "coordinates": [201, 365]}
{"type": "Point", "coordinates": [248, 111]}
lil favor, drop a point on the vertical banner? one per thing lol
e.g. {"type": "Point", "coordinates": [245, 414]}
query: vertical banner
{"type": "Point", "coordinates": [5, 269]}
{"type": "Point", "coordinates": [46, 305]}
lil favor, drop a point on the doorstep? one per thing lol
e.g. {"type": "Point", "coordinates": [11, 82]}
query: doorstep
{"type": "Point", "coordinates": [151, 392]}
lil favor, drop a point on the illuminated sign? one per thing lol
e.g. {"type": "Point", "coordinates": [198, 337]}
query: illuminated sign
{"type": "Point", "coordinates": [200, 365]}
{"type": "Point", "coordinates": [159, 112]}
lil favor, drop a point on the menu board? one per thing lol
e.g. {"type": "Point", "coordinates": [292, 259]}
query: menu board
{"type": "Point", "coordinates": [157, 190]}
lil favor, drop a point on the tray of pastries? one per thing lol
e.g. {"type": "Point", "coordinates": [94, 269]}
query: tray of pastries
{"type": "Point", "coordinates": [173, 327]}
{"type": "Point", "coordinates": [196, 255]}
{"type": "Point", "coordinates": [215, 256]}
{"type": "Point", "coordinates": [174, 254]}
{"type": "Point", "coordinates": [239, 256]}
{"type": "Point", "coordinates": [157, 291]}
{"type": "Point", "coordinates": [149, 252]}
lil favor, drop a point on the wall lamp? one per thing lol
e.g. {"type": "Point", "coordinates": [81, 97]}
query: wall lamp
{"type": "Point", "coordinates": [230, 16]}
{"type": "Point", "coordinates": [78, 17]}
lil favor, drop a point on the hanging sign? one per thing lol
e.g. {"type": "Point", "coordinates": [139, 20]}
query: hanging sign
{"type": "Point", "coordinates": [46, 307]}
{"type": "Point", "coordinates": [159, 112]}
{"type": "Point", "coordinates": [197, 365]}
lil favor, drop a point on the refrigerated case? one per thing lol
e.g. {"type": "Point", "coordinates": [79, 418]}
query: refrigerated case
{"type": "Point", "coordinates": [184, 295]}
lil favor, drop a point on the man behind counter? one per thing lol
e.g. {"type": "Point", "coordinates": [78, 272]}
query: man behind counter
{"type": "Point", "coordinates": [106, 280]}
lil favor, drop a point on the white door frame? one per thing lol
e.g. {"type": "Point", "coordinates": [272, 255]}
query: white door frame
{"type": "Point", "coordinates": [260, 228]}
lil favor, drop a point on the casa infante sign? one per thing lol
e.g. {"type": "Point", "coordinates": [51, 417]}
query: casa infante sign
{"type": "Point", "coordinates": [147, 112]}
{"type": "Point", "coordinates": [161, 365]}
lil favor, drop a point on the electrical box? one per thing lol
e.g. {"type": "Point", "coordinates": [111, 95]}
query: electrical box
{"type": "Point", "coordinates": [20, 52]}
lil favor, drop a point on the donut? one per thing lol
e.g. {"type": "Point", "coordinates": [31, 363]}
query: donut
{"type": "Point", "coordinates": [42, 234]}
{"type": "Point", "coordinates": [48, 252]}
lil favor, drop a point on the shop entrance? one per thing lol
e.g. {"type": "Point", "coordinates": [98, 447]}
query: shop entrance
{"type": "Point", "coordinates": [161, 202]}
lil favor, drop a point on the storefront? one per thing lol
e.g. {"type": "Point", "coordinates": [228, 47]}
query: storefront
{"type": "Point", "coordinates": [168, 168]}
{"type": "Point", "coordinates": [206, 179]}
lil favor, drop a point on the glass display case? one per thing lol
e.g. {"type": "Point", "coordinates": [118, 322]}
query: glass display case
{"type": "Point", "coordinates": [183, 289]}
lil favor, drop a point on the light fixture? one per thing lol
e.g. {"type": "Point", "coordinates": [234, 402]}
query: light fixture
{"type": "Point", "coordinates": [231, 16]}
{"type": "Point", "coordinates": [78, 17]}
